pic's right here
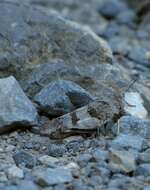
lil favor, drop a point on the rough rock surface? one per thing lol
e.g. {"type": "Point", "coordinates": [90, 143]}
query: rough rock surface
{"type": "Point", "coordinates": [30, 36]}
{"type": "Point", "coordinates": [16, 108]}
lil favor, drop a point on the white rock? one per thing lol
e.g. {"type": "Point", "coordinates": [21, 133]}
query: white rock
{"type": "Point", "coordinates": [15, 172]}
{"type": "Point", "coordinates": [134, 105]}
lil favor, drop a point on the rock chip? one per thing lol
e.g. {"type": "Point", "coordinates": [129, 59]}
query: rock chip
{"type": "Point", "coordinates": [54, 176]}
{"type": "Point", "coordinates": [61, 97]}
{"type": "Point", "coordinates": [16, 108]}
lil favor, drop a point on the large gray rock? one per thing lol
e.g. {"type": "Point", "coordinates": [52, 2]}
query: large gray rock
{"type": "Point", "coordinates": [30, 36]}
{"type": "Point", "coordinates": [101, 80]}
{"type": "Point", "coordinates": [61, 97]}
{"type": "Point", "coordinates": [79, 11]}
{"type": "Point", "coordinates": [15, 108]}
{"type": "Point", "coordinates": [34, 38]}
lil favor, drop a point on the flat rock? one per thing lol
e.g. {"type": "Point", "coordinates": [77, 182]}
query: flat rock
{"type": "Point", "coordinates": [16, 109]}
{"type": "Point", "coordinates": [61, 97]}
{"type": "Point", "coordinates": [54, 176]}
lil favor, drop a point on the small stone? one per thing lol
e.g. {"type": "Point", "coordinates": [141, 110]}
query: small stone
{"type": "Point", "coordinates": [100, 155]}
{"type": "Point", "coordinates": [111, 9]}
{"type": "Point", "coordinates": [60, 187]}
{"type": "Point", "coordinates": [73, 139]}
{"type": "Point", "coordinates": [138, 55]}
{"type": "Point", "coordinates": [133, 126]}
{"type": "Point", "coordinates": [143, 169]}
{"type": "Point", "coordinates": [3, 177]}
{"type": "Point", "coordinates": [147, 55]}
{"type": "Point", "coordinates": [56, 150]}
{"type": "Point", "coordinates": [122, 160]}
{"type": "Point", "coordinates": [74, 168]}
{"type": "Point", "coordinates": [147, 188]}
{"type": "Point", "coordinates": [25, 159]}
{"type": "Point", "coordinates": [48, 160]}
{"type": "Point", "coordinates": [15, 172]}
{"type": "Point", "coordinates": [126, 17]}
{"type": "Point", "coordinates": [27, 185]}
{"type": "Point", "coordinates": [84, 159]}
{"type": "Point", "coordinates": [10, 148]}
{"type": "Point", "coordinates": [144, 157]}
{"type": "Point", "coordinates": [54, 176]}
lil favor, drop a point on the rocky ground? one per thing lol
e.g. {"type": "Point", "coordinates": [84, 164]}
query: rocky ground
{"type": "Point", "coordinates": [74, 95]}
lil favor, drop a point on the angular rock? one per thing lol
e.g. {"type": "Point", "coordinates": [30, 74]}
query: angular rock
{"type": "Point", "coordinates": [122, 160]}
{"type": "Point", "coordinates": [54, 176]}
{"type": "Point", "coordinates": [16, 108]}
{"type": "Point", "coordinates": [24, 159]}
{"type": "Point", "coordinates": [98, 116]}
{"type": "Point", "coordinates": [61, 97]}
{"type": "Point", "coordinates": [135, 105]}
